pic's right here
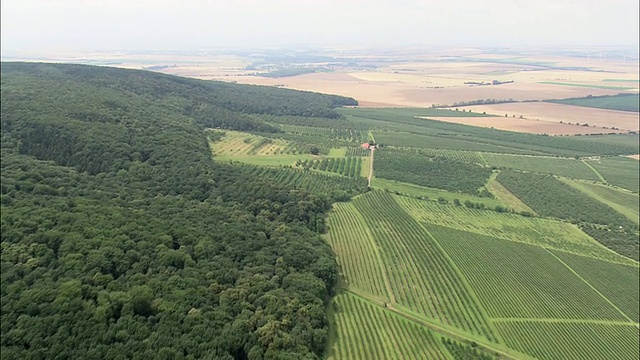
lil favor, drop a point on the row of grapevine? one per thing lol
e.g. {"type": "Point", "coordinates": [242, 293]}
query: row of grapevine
{"type": "Point", "coordinates": [365, 331]}
{"type": "Point", "coordinates": [338, 187]}
{"type": "Point", "coordinates": [536, 231]}
{"type": "Point", "coordinates": [472, 157]}
{"type": "Point", "coordinates": [619, 283]}
{"type": "Point", "coordinates": [353, 135]}
{"type": "Point", "coordinates": [570, 168]}
{"type": "Point", "coordinates": [521, 281]}
{"type": "Point", "coordinates": [619, 171]}
{"type": "Point", "coordinates": [440, 173]}
{"type": "Point", "coordinates": [347, 166]}
{"type": "Point", "coordinates": [421, 278]}
{"type": "Point", "coordinates": [357, 151]}
{"type": "Point", "coordinates": [358, 258]}
{"type": "Point", "coordinates": [567, 341]}
{"type": "Point", "coordinates": [549, 196]}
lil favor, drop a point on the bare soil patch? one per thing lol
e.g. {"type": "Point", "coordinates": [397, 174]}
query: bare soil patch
{"type": "Point", "coordinates": [524, 125]}
{"type": "Point", "coordinates": [554, 113]}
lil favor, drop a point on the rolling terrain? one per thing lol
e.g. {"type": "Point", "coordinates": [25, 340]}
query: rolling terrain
{"type": "Point", "coordinates": [198, 218]}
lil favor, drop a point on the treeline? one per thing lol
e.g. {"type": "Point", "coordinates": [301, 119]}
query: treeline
{"type": "Point", "coordinates": [473, 102]}
{"type": "Point", "coordinates": [122, 239]}
{"type": "Point", "coordinates": [548, 196]}
{"type": "Point", "coordinates": [461, 351]}
{"type": "Point", "coordinates": [436, 172]}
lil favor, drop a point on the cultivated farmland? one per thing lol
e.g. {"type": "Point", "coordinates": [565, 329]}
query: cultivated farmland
{"type": "Point", "coordinates": [366, 331]}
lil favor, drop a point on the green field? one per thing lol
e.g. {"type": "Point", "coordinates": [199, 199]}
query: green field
{"type": "Point", "coordinates": [467, 234]}
{"type": "Point", "coordinates": [431, 193]}
{"type": "Point", "coordinates": [575, 341]}
{"type": "Point", "coordinates": [483, 275]}
{"type": "Point", "coordinates": [513, 280]}
{"type": "Point", "coordinates": [618, 283]}
{"type": "Point", "coordinates": [623, 102]}
{"type": "Point", "coordinates": [513, 227]}
{"type": "Point", "coordinates": [624, 202]}
{"type": "Point", "coordinates": [366, 331]}
{"type": "Point", "coordinates": [619, 171]}
{"type": "Point", "coordinates": [419, 274]}
{"type": "Point", "coordinates": [570, 168]}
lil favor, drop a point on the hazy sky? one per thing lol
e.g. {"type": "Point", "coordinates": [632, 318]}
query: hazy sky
{"type": "Point", "coordinates": [169, 24]}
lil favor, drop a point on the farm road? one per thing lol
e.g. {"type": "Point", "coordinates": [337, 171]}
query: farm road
{"type": "Point", "coordinates": [373, 149]}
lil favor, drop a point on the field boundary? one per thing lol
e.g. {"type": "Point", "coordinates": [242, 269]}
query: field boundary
{"type": "Point", "coordinates": [595, 171]}
{"type": "Point", "coordinates": [567, 321]}
{"type": "Point", "coordinates": [457, 270]}
{"type": "Point", "coordinates": [376, 246]}
{"type": "Point", "coordinates": [592, 287]}
{"type": "Point", "coordinates": [442, 329]}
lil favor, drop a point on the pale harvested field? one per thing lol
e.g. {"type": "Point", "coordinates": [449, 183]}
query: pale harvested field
{"type": "Point", "coordinates": [554, 113]}
{"type": "Point", "coordinates": [524, 125]}
{"type": "Point", "coordinates": [637, 157]}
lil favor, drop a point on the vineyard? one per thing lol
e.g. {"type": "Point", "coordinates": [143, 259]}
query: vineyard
{"type": "Point", "coordinates": [420, 276]}
{"type": "Point", "coordinates": [513, 227]}
{"type": "Point", "coordinates": [352, 135]}
{"type": "Point", "coordinates": [619, 171]}
{"type": "Point", "coordinates": [366, 331]}
{"type": "Point", "coordinates": [569, 168]}
{"type": "Point", "coordinates": [350, 237]}
{"type": "Point", "coordinates": [510, 279]}
{"type": "Point", "coordinates": [349, 166]}
{"type": "Point", "coordinates": [337, 187]}
{"type": "Point", "coordinates": [431, 172]}
{"type": "Point", "coordinates": [575, 341]}
{"type": "Point", "coordinates": [618, 283]}
{"type": "Point", "coordinates": [494, 249]}
{"type": "Point", "coordinates": [549, 196]}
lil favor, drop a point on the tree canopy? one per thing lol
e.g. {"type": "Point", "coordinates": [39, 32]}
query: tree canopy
{"type": "Point", "coordinates": [122, 239]}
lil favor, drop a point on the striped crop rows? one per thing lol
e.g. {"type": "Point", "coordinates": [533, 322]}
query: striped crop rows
{"type": "Point", "coordinates": [472, 157]}
{"type": "Point", "coordinates": [570, 168]}
{"type": "Point", "coordinates": [566, 341]}
{"type": "Point", "coordinates": [420, 276]}
{"type": "Point", "coordinates": [354, 135]}
{"type": "Point", "coordinates": [358, 258]}
{"type": "Point", "coordinates": [310, 181]}
{"type": "Point", "coordinates": [619, 283]}
{"type": "Point", "coordinates": [347, 166]}
{"type": "Point", "coordinates": [357, 151]}
{"type": "Point", "coordinates": [365, 331]}
{"type": "Point", "coordinates": [522, 281]}
{"type": "Point", "coordinates": [513, 227]}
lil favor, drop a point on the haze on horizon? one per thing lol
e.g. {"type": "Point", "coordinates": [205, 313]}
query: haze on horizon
{"type": "Point", "coordinates": [100, 25]}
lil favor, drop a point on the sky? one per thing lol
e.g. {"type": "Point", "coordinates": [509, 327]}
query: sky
{"type": "Point", "coordinates": [101, 25]}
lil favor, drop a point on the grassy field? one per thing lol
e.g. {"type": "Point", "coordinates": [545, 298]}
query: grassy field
{"type": "Point", "coordinates": [623, 102]}
{"type": "Point", "coordinates": [570, 168]}
{"type": "Point", "coordinates": [624, 202]}
{"type": "Point", "coordinates": [619, 171]}
{"type": "Point", "coordinates": [366, 331]}
{"type": "Point", "coordinates": [513, 227]}
{"type": "Point", "coordinates": [507, 198]}
{"type": "Point", "coordinates": [512, 280]}
{"type": "Point", "coordinates": [574, 341]}
{"type": "Point", "coordinates": [420, 276]}
{"type": "Point", "coordinates": [618, 283]}
{"type": "Point", "coordinates": [432, 194]}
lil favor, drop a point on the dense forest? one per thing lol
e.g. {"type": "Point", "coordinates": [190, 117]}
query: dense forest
{"type": "Point", "coordinates": [122, 239]}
